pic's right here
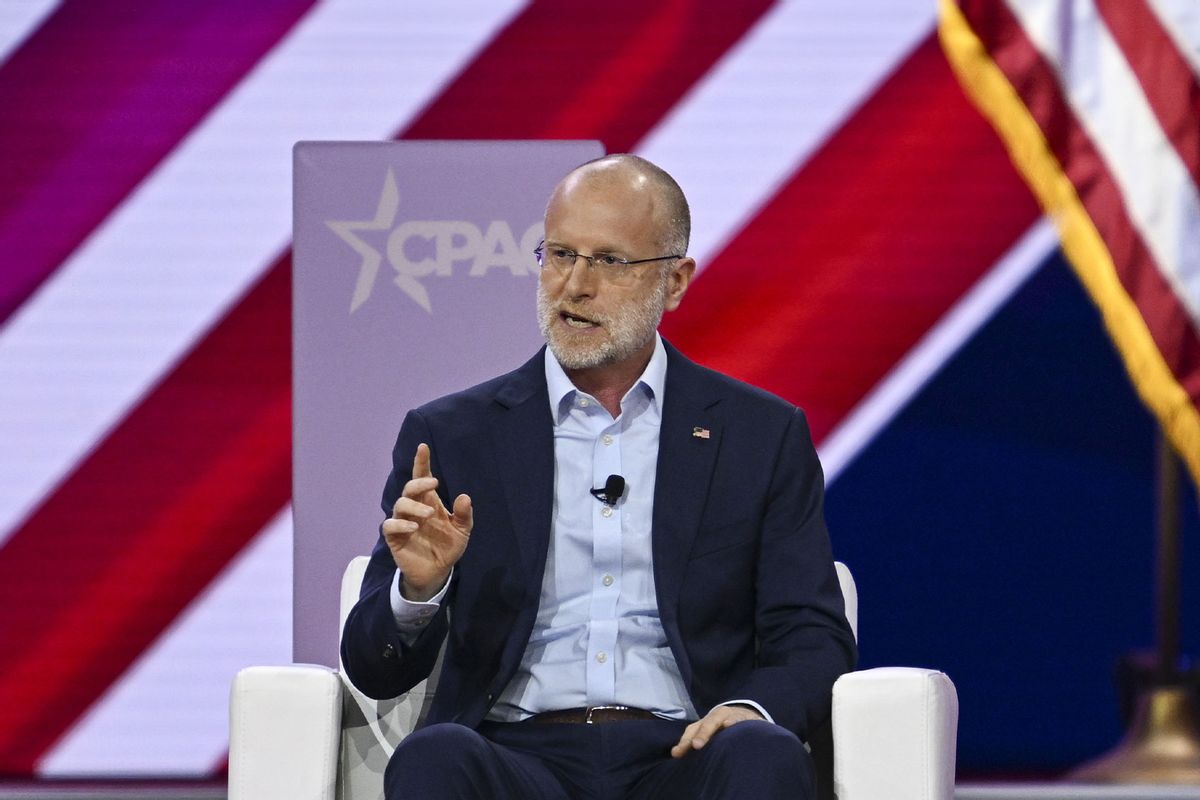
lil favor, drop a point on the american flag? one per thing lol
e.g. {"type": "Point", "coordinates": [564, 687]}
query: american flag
{"type": "Point", "coordinates": [856, 219]}
{"type": "Point", "coordinates": [1099, 103]}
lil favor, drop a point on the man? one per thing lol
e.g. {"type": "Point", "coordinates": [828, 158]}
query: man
{"type": "Point", "coordinates": [623, 552]}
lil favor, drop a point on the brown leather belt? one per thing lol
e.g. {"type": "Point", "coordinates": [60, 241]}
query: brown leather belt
{"type": "Point", "coordinates": [593, 715]}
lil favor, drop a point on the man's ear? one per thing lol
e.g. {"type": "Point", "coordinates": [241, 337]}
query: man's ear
{"type": "Point", "coordinates": [678, 280]}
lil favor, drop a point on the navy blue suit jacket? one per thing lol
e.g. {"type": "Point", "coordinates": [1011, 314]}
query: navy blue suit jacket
{"type": "Point", "coordinates": [746, 586]}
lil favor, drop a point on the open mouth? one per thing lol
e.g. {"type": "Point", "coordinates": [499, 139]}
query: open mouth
{"type": "Point", "coordinates": [576, 321]}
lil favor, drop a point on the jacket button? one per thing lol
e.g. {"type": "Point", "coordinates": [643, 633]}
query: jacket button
{"type": "Point", "coordinates": [389, 652]}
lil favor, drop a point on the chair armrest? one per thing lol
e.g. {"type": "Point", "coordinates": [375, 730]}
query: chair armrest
{"type": "Point", "coordinates": [894, 735]}
{"type": "Point", "coordinates": [284, 733]}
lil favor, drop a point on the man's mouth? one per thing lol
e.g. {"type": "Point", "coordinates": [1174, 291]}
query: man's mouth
{"type": "Point", "coordinates": [576, 321]}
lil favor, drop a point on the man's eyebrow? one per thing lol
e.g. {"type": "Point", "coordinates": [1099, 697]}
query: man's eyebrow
{"type": "Point", "coordinates": [608, 250]}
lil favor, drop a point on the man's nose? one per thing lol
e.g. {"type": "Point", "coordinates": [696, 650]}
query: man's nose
{"type": "Point", "coordinates": [581, 280]}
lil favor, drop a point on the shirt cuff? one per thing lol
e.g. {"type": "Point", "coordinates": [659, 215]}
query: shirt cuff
{"type": "Point", "coordinates": [412, 616]}
{"type": "Point", "coordinates": [753, 705]}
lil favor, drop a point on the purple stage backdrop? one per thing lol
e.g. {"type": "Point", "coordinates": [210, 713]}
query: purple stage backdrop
{"type": "Point", "coordinates": [413, 277]}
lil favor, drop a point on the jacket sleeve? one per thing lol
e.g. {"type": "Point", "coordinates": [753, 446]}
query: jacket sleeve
{"type": "Point", "coordinates": [374, 655]}
{"type": "Point", "coordinates": [802, 637]}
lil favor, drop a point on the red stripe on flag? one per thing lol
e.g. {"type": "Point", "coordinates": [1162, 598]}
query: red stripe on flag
{"type": "Point", "coordinates": [619, 67]}
{"type": "Point", "coordinates": [145, 523]}
{"type": "Point", "coordinates": [96, 98]}
{"type": "Point", "coordinates": [1165, 75]}
{"type": "Point", "coordinates": [862, 250]}
{"type": "Point", "coordinates": [1037, 83]}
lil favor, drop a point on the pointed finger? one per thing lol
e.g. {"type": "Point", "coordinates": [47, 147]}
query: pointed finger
{"type": "Point", "coordinates": [421, 462]}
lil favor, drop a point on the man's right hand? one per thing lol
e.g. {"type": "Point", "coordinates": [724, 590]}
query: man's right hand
{"type": "Point", "coordinates": [425, 538]}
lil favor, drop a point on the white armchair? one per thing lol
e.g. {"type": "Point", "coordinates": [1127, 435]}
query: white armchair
{"type": "Point", "coordinates": [303, 732]}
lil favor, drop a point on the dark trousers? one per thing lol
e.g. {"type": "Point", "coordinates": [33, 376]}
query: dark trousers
{"type": "Point", "coordinates": [614, 761]}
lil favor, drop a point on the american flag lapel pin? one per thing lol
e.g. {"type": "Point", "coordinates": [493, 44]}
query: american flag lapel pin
{"type": "Point", "coordinates": [701, 433]}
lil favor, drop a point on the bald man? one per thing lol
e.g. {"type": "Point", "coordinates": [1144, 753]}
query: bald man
{"type": "Point", "coordinates": [623, 553]}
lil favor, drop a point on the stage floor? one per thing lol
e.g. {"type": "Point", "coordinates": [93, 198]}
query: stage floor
{"type": "Point", "coordinates": [1064, 791]}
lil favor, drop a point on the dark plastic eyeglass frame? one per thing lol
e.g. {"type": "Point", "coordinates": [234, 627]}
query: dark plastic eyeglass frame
{"type": "Point", "coordinates": [611, 260]}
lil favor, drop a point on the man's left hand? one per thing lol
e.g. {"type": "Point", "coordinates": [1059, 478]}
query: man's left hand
{"type": "Point", "coordinates": [700, 732]}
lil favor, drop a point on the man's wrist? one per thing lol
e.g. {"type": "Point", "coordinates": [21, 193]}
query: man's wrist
{"type": "Point", "coordinates": [413, 615]}
{"type": "Point", "coordinates": [415, 594]}
{"type": "Point", "coordinates": [753, 706]}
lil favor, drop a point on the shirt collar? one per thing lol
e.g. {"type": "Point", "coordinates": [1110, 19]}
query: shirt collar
{"type": "Point", "coordinates": [561, 390]}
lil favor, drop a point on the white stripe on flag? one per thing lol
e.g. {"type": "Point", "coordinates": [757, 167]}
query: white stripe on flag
{"type": "Point", "coordinates": [205, 225]}
{"type": "Point", "coordinates": [939, 344]}
{"type": "Point", "coordinates": [168, 713]}
{"type": "Point", "coordinates": [18, 19]}
{"type": "Point", "coordinates": [759, 114]}
{"type": "Point", "coordinates": [1105, 95]}
{"type": "Point", "coordinates": [1181, 18]}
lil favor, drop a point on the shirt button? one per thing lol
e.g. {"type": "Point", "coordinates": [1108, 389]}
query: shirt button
{"type": "Point", "coordinates": [601, 657]}
{"type": "Point", "coordinates": [607, 580]}
{"type": "Point", "coordinates": [606, 439]}
{"type": "Point", "coordinates": [606, 511]}
{"type": "Point", "coordinates": [584, 402]}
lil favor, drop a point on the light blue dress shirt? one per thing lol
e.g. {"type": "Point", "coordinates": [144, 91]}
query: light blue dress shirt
{"type": "Point", "coordinates": [598, 638]}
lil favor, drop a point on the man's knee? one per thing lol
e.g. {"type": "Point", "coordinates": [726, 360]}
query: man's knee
{"type": "Point", "coordinates": [761, 754]}
{"type": "Point", "coordinates": [757, 740]}
{"type": "Point", "coordinates": [433, 757]}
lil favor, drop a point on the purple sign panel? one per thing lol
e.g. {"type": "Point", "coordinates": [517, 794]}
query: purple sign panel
{"type": "Point", "coordinates": [414, 276]}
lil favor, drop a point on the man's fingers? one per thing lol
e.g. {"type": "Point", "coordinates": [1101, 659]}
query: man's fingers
{"type": "Point", "coordinates": [700, 733]}
{"type": "Point", "coordinates": [464, 516]}
{"type": "Point", "coordinates": [400, 529]}
{"type": "Point", "coordinates": [421, 462]}
{"type": "Point", "coordinates": [708, 728]}
{"type": "Point", "coordinates": [419, 486]}
{"type": "Point", "coordinates": [685, 741]}
{"type": "Point", "coordinates": [408, 508]}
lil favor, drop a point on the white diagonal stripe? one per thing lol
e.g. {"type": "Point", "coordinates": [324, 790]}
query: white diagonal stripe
{"type": "Point", "coordinates": [772, 100]}
{"type": "Point", "coordinates": [1181, 18]}
{"type": "Point", "coordinates": [205, 225]}
{"type": "Point", "coordinates": [168, 713]}
{"type": "Point", "coordinates": [939, 344]}
{"type": "Point", "coordinates": [18, 19]}
{"type": "Point", "coordinates": [1102, 90]}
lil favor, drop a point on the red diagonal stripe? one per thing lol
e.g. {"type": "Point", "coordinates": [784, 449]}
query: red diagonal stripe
{"type": "Point", "coordinates": [145, 523]}
{"type": "Point", "coordinates": [617, 68]}
{"type": "Point", "coordinates": [96, 98]}
{"type": "Point", "coordinates": [862, 250]}
{"type": "Point", "coordinates": [1169, 323]}
{"type": "Point", "coordinates": [1165, 75]}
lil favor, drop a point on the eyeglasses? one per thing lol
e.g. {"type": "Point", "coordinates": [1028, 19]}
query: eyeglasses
{"type": "Point", "coordinates": [612, 268]}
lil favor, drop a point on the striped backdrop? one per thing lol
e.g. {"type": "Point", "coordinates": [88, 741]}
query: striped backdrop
{"type": "Point", "coordinates": [856, 221]}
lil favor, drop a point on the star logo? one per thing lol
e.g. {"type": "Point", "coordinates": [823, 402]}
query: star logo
{"type": "Point", "coordinates": [385, 218]}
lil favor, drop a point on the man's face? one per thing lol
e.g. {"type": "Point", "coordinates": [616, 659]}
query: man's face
{"type": "Point", "coordinates": [587, 319]}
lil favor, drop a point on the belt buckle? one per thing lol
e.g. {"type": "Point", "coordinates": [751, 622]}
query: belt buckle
{"type": "Point", "coordinates": [587, 719]}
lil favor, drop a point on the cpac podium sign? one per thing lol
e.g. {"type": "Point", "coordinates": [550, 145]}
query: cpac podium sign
{"type": "Point", "coordinates": [414, 276]}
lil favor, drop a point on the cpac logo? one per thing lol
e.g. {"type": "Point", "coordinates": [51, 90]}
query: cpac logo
{"type": "Point", "coordinates": [417, 249]}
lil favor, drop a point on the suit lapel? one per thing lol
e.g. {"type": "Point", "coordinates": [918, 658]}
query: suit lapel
{"type": "Point", "coordinates": [689, 439]}
{"type": "Point", "coordinates": [524, 440]}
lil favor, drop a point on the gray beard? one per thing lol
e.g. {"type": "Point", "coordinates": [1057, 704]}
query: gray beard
{"type": "Point", "coordinates": [629, 330]}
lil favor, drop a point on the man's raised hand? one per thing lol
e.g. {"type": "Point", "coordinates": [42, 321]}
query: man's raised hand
{"type": "Point", "coordinates": [425, 538]}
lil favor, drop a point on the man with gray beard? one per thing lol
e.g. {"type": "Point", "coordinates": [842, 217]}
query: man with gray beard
{"type": "Point", "coordinates": [623, 553]}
